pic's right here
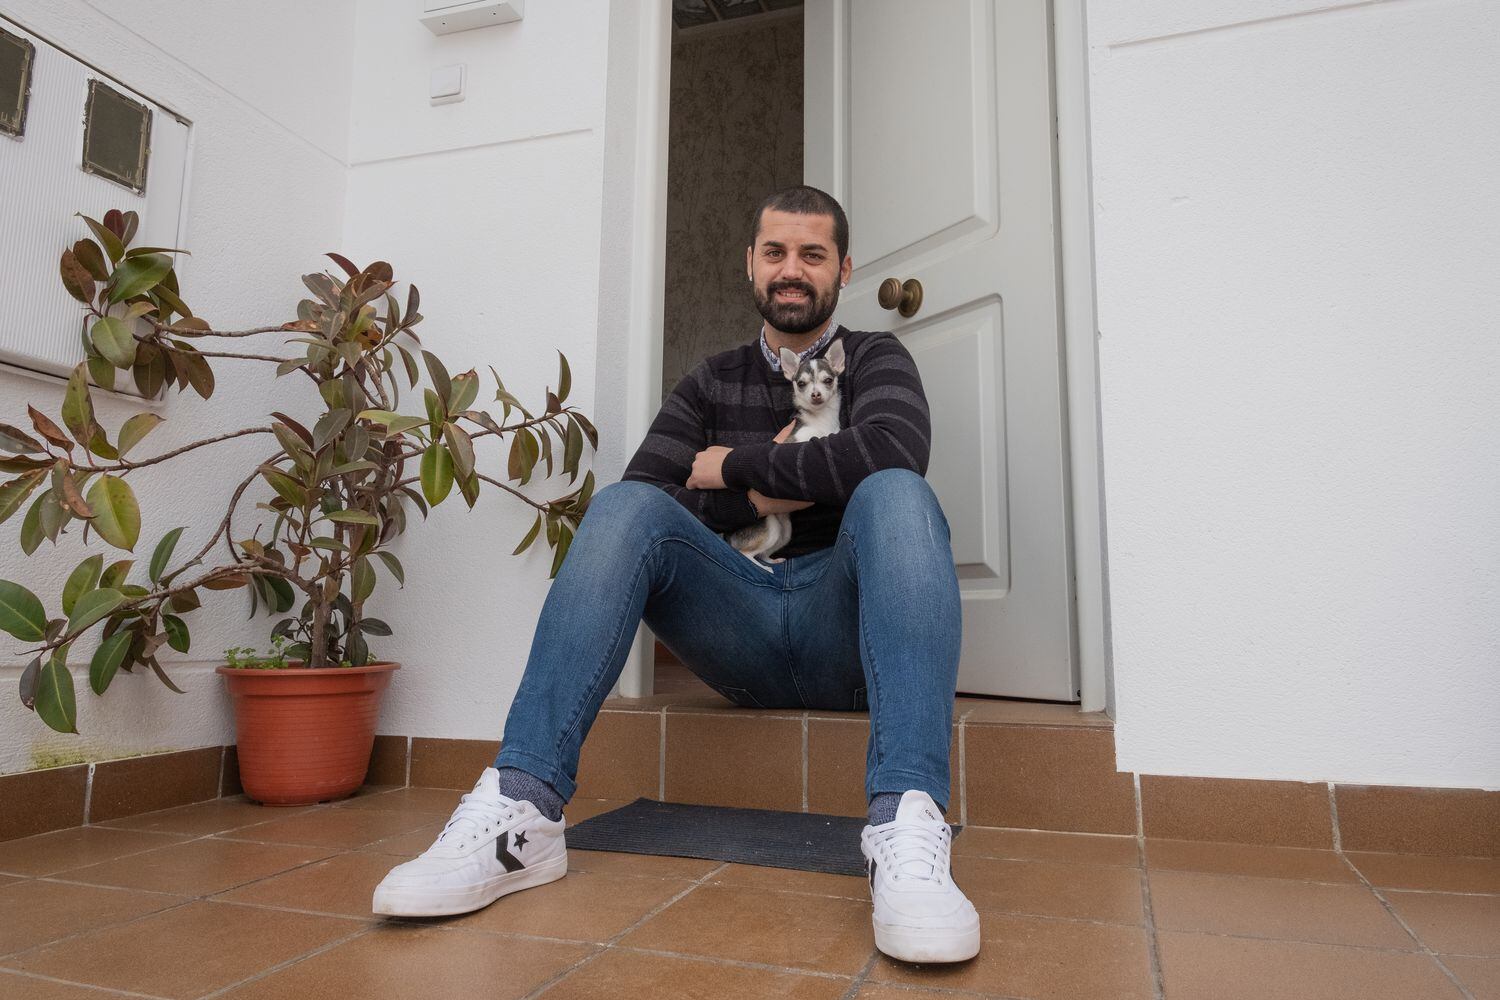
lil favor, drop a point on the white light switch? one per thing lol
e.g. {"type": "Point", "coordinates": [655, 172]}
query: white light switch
{"type": "Point", "coordinates": [447, 85]}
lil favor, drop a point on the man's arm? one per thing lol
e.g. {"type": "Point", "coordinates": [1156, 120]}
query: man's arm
{"type": "Point", "coordinates": [665, 458]}
{"type": "Point", "coordinates": [889, 428]}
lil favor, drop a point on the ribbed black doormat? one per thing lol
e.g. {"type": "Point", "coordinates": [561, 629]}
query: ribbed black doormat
{"type": "Point", "coordinates": [810, 842]}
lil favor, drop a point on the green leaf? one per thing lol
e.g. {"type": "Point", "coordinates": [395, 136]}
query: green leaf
{"type": "Point", "coordinates": [76, 277]}
{"type": "Point", "coordinates": [465, 389]}
{"type": "Point", "coordinates": [441, 383]}
{"type": "Point", "coordinates": [536, 527]}
{"type": "Point", "coordinates": [150, 373]}
{"type": "Point", "coordinates": [177, 633]}
{"type": "Point", "coordinates": [282, 591]}
{"type": "Point", "coordinates": [83, 579]}
{"type": "Point", "coordinates": [93, 606]}
{"type": "Point", "coordinates": [88, 254]}
{"type": "Point", "coordinates": [361, 580]}
{"type": "Point", "coordinates": [113, 339]}
{"type": "Point", "coordinates": [101, 371]}
{"type": "Point", "coordinates": [524, 451]}
{"type": "Point", "coordinates": [21, 613]}
{"type": "Point", "coordinates": [163, 553]}
{"type": "Point", "coordinates": [573, 451]}
{"type": "Point", "coordinates": [17, 441]}
{"type": "Point", "coordinates": [117, 516]}
{"type": "Point", "coordinates": [564, 539]}
{"type": "Point", "coordinates": [291, 490]}
{"type": "Point", "coordinates": [136, 428]}
{"type": "Point", "coordinates": [460, 448]}
{"type": "Point", "coordinates": [354, 517]}
{"type": "Point", "coordinates": [329, 425]}
{"type": "Point", "coordinates": [78, 406]}
{"type": "Point", "coordinates": [14, 493]}
{"type": "Point", "coordinates": [31, 526]}
{"type": "Point", "coordinates": [374, 626]}
{"type": "Point", "coordinates": [564, 377]}
{"type": "Point", "coordinates": [109, 240]}
{"type": "Point", "coordinates": [55, 702]}
{"type": "Point", "coordinates": [107, 659]}
{"type": "Point", "coordinates": [394, 565]}
{"type": "Point", "coordinates": [437, 473]}
{"type": "Point", "coordinates": [114, 575]}
{"type": "Point", "coordinates": [138, 274]}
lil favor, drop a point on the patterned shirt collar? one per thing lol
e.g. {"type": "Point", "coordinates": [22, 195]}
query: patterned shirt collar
{"type": "Point", "coordinates": [774, 360]}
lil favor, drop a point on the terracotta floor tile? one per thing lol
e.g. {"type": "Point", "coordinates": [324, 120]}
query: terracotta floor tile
{"type": "Point", "coordinates": [623, 973]}
{"type": "Point", "coordinates": [49, 853]}
{"type": "Point", "coordinates": [433, 801]}
{"type": "Point", "coordinates": [14, 986]}
{"type": "Point", "coordinates": [1047, 889]}
{"type": "Point", "coordinates": [621, 757]}
{"type": "Point", "coordinates": [579, 809]}
{"type": "Point", "coordinates": [399, 961]}
{"type": "Point", "coordinates": [1480, 975]}
{"type": "Point", "coordinates": [639, 865]}
{"type": "Point", "coordinates": [1274, 908]}
{"type": "Point", "coordinates": [789, 880]}
{"type": "Point", "coordinates": [818, 933]}
{"type": "Point", "coordinates": [1236, 810]}
{"type": "Point", "coordinates": [346, 828]}
{"type": "Point", "coordinates": [1046, 778]}
{"type": "Point", "coordinates": [185, 952]}
{"type": "Point", "coordinates": [408, 845]}
{"type": "Point", "coordinates": [203, 818]}
{"type": "Point", "coordinates": [1038, 958]}
{"type": "Point", "coordinates": [1248, 859]}
{"type": "Point", "coordinates": [1030, 713]}
{"type": "Point", "coordinates": [197, 868]}
{"type": "Point", "coordinates": [10, 879]}
{"type": "Point", "coordinates": [342, 884]}
{"type": "Point", "coordinates": [39, 912]}
{"type": "Point", "coordinates": [1430, 872]}
{"type": "Point", "coordinates": [706, 760]}
{"type": "Point", "coordinates": [1208, 967]}
{"type": "Point", "coordinates": [1040, 845]}
{"type": "Point", "coordinates": [1452, 924]}
{"type": "Point", "coordinates": [582, 906]}
{"type": "Point", "coordinates": [887, 991]}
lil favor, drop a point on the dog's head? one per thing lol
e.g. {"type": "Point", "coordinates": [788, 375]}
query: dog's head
{"type": "Point", "coordinates": [815, 382]}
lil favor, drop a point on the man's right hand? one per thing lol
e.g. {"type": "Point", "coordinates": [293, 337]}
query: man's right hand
{"type": "Point", "coordinates": [765, 505]}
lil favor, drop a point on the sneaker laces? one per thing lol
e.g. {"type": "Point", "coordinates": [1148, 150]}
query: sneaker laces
{"type": "Point", "coordinates": [913, 851]}
{"type": "Point", "coordinates": [476, 815]}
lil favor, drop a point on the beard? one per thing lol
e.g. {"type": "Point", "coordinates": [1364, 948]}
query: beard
{"type": "Point", "coordinates": [795, 317]}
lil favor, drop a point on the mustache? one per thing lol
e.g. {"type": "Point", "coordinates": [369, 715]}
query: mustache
{"type": "Point", "coordinates": [791, 286]}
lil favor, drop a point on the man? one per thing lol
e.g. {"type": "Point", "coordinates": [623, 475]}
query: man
{"type": "Point", "coordinates": [862, 612]}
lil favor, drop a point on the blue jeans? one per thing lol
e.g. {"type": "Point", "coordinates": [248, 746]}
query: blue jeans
{"type": "Point", "coordinates": [871, 622]}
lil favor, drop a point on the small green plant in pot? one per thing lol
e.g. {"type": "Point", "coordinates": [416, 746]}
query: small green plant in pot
{"type": "Point", "coordinates": [341, 490]}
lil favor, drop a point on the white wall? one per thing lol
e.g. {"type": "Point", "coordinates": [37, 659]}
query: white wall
{"type": "Point", "coordinates": [267, 198]}
{"type": "Point", "coordinates": [1295, 207]}
{"type": "Point", "coordinates": [492, 206]}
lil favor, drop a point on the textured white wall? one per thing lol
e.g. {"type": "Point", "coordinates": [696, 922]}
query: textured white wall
{"type": "Point", "coordinates": [267, 87]}
{"type": "Point", "coordinates": [1295, 206]}
{"type": "Point", "coordinates": [492, 206]}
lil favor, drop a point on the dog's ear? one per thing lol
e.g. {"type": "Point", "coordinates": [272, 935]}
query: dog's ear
{"type": "Point", "coordinates": [789, 364]}
{"type": "Point", "coordinates": [835, 357]}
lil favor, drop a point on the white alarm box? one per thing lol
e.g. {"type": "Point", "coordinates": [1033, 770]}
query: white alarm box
{"type": "Point", "coordinates": [443, 17]}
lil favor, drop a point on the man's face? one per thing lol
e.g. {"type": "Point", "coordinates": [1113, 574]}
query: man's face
{"type": "Point", "coordinates": [796, 270]}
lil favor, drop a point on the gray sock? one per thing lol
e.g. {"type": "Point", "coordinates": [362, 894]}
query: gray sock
{"type": "Point", "coordinates": [518, 784]}
{"type": "Point", "coordinates": [883, 807]}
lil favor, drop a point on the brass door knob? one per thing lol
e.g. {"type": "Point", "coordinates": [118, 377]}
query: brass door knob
{"type": "Point", "coordinates": [903, 296]}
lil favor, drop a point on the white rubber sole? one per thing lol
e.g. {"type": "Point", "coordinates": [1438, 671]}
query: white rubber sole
{"type": "Point", "coordinates": [399, 902]}
{"type": "Point", "coordinates": [939, 944]}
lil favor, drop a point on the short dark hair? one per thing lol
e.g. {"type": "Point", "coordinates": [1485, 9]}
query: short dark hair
{"type": "Point", "coordinates": [804, 200]}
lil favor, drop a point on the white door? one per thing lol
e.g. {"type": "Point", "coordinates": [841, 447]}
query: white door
{"type": "Point", "coordinates": [933, 124]}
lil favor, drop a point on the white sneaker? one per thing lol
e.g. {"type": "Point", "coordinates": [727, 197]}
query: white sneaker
{"type": "Point", "coordinates": [491, 846]}
{"type": "Point", "coordinates": [920, 914]}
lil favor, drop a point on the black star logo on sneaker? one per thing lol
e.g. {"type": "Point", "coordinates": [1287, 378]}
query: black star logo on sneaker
{"type": "Point", "coordinates": [520, 841]}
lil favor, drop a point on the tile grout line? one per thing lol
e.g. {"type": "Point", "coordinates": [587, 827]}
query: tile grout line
{"type": "Point", "coordinates": [223, 760]}
{"type": "Point", "coordinates": [264, 973]}
{"type": "Point", "coordinates": [606, 945]}
{"type": "Point", "coordinates": [963, 772]}
{"type": "Point", "coordinates": [106, 991]}
{"type": "Point", "coordinates": [861, 976]}
{"type": "Point", "coordinates": [804, 762]}
{"type": "Point", "coordinates": [661, 759]}
{"type": "Point", "coordinates": [408, 763]}
{"type": "Point", "coordinates": [88, 794]}
{"type": "Point", "coordinates": [1333, 818]}
{"type": "Point", "coordinates": [1396, 916]}
{"type": "Point", "coordinates": [737, 963]}
{"type": "Point", "coordinates": [1153, 946]}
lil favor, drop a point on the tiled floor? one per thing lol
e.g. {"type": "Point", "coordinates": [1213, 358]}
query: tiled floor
{"type": "Point", "coordinates": [228, 899]}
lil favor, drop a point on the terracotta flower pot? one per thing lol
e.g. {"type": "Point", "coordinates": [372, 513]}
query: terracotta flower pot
{"type": "Point", "coordinates": [305, 735]}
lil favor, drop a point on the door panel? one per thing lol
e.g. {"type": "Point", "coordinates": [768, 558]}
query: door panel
{"type": "Point", "coordinates": [933, 124]}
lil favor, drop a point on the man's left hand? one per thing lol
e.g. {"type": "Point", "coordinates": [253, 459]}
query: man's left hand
{"type": "Point", "coordinates": [708, 469]}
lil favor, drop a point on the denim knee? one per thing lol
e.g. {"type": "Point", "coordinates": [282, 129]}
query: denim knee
{"type": "Point", "coordinates": [895, 497]}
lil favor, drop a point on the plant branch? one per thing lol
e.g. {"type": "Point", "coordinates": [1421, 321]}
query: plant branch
{"type": "Point", "coordinates": [124, 465]}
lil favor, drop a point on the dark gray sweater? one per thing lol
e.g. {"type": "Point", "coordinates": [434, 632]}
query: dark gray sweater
{"type": "Point", "coordinates": [735, 399]}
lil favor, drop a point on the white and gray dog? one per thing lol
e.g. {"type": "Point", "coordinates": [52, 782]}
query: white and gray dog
{"type": "Point", "coordinates": [815, 393]}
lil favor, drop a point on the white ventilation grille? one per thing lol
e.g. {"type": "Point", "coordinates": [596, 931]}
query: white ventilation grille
{"type": "Point", "coordinates": [42, 185]}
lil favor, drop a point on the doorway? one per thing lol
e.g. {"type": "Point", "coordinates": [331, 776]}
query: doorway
{"type": "Point", "coordinates": [1031, 639]}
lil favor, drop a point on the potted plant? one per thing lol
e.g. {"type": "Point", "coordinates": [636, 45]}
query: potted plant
{"type": "Point", "coordinates": [333, 493]}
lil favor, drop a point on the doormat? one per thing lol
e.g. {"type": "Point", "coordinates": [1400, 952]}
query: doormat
{"type": "Point", "coordinates": [810, 842]}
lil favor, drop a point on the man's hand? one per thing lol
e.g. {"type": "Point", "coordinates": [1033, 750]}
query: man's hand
{"type": "Point", "coordinates": [708, 469]}
{"type": "Point", "coordinates": [765, 505]}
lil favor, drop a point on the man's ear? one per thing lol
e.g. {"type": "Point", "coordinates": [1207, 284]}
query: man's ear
{"type": "Point", "coordinates": [835, 356]}
{"type": "Point", "coordinates": [846, 269]}
{"type": "Point", "coordinates": [789, 364]}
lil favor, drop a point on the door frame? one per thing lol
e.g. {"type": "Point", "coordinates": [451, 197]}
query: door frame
{"type": "Point", "coordinates": [632, 286]}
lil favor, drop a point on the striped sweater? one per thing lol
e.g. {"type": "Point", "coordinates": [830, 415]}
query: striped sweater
{"type": "Point", "coordinates": [737, 400]}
